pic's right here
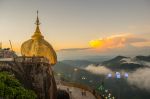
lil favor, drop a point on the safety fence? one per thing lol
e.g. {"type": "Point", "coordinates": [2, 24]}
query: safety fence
{"type": "Point", "coordinates": [34, 59]}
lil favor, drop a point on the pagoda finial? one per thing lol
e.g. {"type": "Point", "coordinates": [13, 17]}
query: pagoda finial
{"type": "Point", "coordinates": [37, 20]}
{"type": "Point", "coordinates": [37, 33]}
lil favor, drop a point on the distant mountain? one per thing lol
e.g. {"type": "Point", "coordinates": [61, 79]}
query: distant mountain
{"type": "Point", "coordinates": [61, 67]}
{"type": "Point", "coordinates": [78, 63]}
{"type": "Point", "coordinates": [120, 88]}
{"type": "Point", "coordinates": [98, 59]}
{"type": "Point", "coordinates": [116, 63]}
{"type": "Point", "coordinates": [143, 58]}
{"type": "Point", "coordinates": [115, 60]}
{"type": "Point", "coordinates": [127, 63]}
{"type": "Point", "coordinates": [68, 71]}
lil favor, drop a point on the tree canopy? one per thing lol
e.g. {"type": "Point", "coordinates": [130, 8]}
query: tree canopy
{"type": "Point", "coordinates": [11, 88]}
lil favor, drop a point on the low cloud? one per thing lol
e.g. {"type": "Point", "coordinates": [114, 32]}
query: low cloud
{"type": "Point", "coordinates": [139, 77]}
{"type": "Point", "coordinates": [98, 69]}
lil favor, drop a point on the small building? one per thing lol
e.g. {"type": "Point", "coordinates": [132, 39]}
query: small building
{"type": "Point", "coordinates": [7, 53]}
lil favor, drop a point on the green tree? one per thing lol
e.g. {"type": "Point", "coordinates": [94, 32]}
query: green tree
{"type": "Point", "coordinates": [11, 88]}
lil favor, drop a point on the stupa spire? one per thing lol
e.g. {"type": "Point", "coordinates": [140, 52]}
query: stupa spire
{"type": "Point", "coordinates": [37, 33]}
{"type": "Point", "coordinates": [37, 19]}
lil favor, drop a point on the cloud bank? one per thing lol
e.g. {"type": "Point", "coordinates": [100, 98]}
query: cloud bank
{"type": "Point", "coordinates": [119, 41]}
{"type": "Point", "coordinates": [98, 69]}
{"type": "Point", "coordinates": [139, 77]}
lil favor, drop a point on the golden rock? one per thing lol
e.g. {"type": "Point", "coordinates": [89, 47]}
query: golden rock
{"type": "Point", "coordinates": [37, 46]}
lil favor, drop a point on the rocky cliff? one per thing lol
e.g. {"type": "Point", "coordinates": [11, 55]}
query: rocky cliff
{"type": "Point", "coordinates": [35, 76]}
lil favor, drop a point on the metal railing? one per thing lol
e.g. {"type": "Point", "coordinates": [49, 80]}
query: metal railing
{"type": "Point", "coordinates": [34, 59]}
{"type": "Point", "coordinates": [25, 59]}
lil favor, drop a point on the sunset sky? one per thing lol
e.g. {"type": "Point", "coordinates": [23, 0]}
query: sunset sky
{"type": "Point", "coordinates": [78, 28]}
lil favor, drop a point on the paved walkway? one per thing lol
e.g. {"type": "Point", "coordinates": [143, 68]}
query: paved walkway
{"type": "Point", "coordinates": [76, 93]}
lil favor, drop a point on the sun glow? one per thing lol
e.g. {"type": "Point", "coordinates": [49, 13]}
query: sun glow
{"type": "Point", "coordinates": [114, 41]}
{"type": "Point", "coordinates": [95, 43]}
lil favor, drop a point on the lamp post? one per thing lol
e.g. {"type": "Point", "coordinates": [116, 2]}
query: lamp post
{"type": "Point", "coordinates": [106, 93]}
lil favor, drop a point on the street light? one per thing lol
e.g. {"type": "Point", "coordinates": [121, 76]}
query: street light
{"type": "Point", "coordinates": [83, 77]}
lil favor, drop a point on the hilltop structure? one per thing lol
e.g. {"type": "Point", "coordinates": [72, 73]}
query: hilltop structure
{"type": "Point", "coordinates": [37, 46]}
{"type": "Point", "coordinates": [33, 69]}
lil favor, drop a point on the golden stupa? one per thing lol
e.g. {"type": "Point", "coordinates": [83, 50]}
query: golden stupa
{"type": "Point", "coordinates": [37, 46]}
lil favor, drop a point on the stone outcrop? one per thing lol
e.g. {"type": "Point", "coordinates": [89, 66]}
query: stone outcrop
{"type": "Point", "coordinates": [35, 76]}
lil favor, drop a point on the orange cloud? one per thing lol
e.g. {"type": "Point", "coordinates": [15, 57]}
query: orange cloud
{"type": "Point", "coordinates": [141, 44]}
{"type": "Point", "coordinates": [116, 41]}
{"type": "Point", "coordinates": [109, 42]}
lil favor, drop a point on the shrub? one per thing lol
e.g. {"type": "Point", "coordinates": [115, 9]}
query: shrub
{"type": "Point", "coordinates": [11, 88]}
